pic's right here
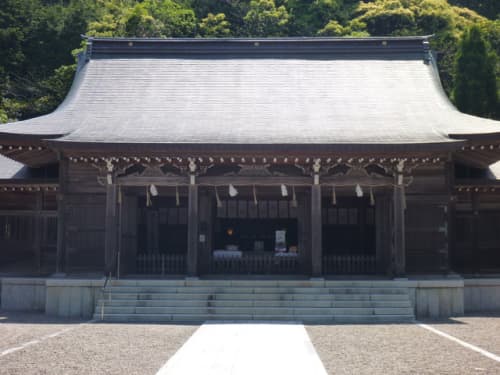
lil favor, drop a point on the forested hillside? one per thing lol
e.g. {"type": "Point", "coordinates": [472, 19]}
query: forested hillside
{"type": "Point", "coordinates": [39, 38]}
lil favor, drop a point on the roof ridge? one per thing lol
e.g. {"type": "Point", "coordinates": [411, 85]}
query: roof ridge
{"type": "Point", "coordinates": [257, 46]}
{"type": "Point", "coordinates": [263, 39]}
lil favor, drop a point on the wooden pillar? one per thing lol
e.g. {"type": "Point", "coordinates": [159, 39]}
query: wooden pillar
{"type": "Point", "coordinates": [61, 260]}
{"type": "Point", "coordinates": [399, 207]}
{"type": "Point", "coordinates": [316, 230]}
{"type": "Point", "coordinates": [450, 217]}
{"type": "Point", "coordinates": [38, 227]}
{"type": "Point", "coordinates": [192, 250]}
{"type": "Point", "coordinates": [205, 231]}
{"type": "Point", "coordinates": [111, 221]}
{"type": "Point", "coordinates": [304, 229]}
{"type": "Point", "coordinates": [383, 227]}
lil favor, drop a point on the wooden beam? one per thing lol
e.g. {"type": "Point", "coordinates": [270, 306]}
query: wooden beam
{"type": "Point", "coordinates": [41, 213]}
{"type": "Point", "coordinates": [250, 181]}
{"type": "Point", "coordinates": [192, 251]}
{"type": "Point", "coordinates": [158, 181]}
{"type": "Point", "coordinates": [316, 231]}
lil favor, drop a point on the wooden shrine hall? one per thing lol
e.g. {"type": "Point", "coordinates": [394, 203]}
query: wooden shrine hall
{"type": "Point", "coordinates": [290, 156]}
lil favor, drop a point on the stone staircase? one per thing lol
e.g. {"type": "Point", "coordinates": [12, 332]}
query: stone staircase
{"type": "Point", "coordinates": [308, 301]}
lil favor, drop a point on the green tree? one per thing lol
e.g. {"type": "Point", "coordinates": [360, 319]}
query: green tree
{"type": "Point", "coordinates": [140, 23]}
{"type": "Point", "coordinates": [177, 18]}
{"type": "Point", "coordinates": [487, 8]}
{"type": "Point", "coordinates": [214, 26]}
{"type": "Point", "coordinates": [474, 90]}
{"type": "Point", "coordinates": [36, 38]}
{"type": "Point", "coordinates": [265, 19]}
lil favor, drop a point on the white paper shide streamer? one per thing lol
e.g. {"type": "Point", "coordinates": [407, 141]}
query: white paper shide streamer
{"type": "Point", "coordinates": [359, 191]}
{"type": "Point", "coordinates": [153, 190]}
{"type": "Point", "coordinates": [284, 191]}
{"type": "Point", "coordinates": [232, 191]}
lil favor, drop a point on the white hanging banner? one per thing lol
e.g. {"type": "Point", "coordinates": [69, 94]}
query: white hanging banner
{"type": "Point", "coordinates": [232, 191]}
{"type": "Point", "coordinates": [372, 197]}
{"type": "Point", "coordinates": [177, 198]}
{"type": "Point", "coordinates": [255, 196]}
{"type": "Point", "coordinates": [359, 191]}
{"type": "Point", "coordinates": [334, 196]}
{"type": "Point", "coordinates": [284, 191]}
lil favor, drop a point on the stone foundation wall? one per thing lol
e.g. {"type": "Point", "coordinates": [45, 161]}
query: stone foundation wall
{"type": "Point", "coordinates": [59, 297]}
{"type": "Point", "coordinates": [23, 294]}
{"type": "Point", "coordinates": [439, 298]}
{"type": "Point", "coordinates": [482, 295]}
{"type": "Point", "coordinates": [72, 298]}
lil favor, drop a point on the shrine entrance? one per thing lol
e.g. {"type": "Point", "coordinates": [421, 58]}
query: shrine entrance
{"type": "Point", "coordinates": [161, 235]}
{"type": "Point", "coordinates": [255, 234]}
{"type": "Point", "coordinates": [349, 236]}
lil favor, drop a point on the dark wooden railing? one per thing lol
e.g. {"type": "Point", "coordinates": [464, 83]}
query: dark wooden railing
{"type": "Point", "coordinates": [164, 264]}
{"type": "Point", "coordinates": [349, 264]}
{"type": "Point", "coordinates": [254, 264]}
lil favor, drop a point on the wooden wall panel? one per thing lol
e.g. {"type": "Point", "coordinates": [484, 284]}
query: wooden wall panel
{"type": "Point", "coordinates": [85, 227]}
{"type": "Point", "coordinates": [17, 200]}
{"type": "Point", "coordinates": [477, 239]}
{"type": "Point", "coordinates": [82, 178]}
{"type": "Point", "coordinates": [426, 237]}
{"type": "Point", "coordinates": [429, 180]}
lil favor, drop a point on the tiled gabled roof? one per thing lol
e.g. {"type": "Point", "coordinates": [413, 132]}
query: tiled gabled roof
{"type": "Point", "coordinates": [344, 92]}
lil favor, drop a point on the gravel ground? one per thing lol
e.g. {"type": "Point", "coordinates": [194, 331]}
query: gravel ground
{"type": "Point", "coordinates": [482, 331]}
{"type": "Point", "coordinates": [97, 349]}
{"type": "Point", "coordinates": [19, 327]}
{"type": "Point", "coordinates": [394, 349]}
{"type": "Point", "coordinates": [100, 348]}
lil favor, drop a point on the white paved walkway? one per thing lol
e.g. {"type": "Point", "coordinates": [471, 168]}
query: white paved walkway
{"type": "Point", "coordinates": [241, 349]}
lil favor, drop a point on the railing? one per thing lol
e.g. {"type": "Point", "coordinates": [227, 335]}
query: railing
{"type": "Point", "coordinates": [103, 293]}
{"type": "Point", "coordinates": [164, 264]}
{"type": "Point", "coordinates": [254, 264]}
{"type": "Point", "coordinates": [349, 264]}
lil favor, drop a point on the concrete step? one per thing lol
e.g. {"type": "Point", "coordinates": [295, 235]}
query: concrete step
{"type": "Point", "coordinates": [113, 295]}
{"type": "Point", "coordinates": [305, 283]}
{"type": "Point", "coordinates": [251, 303]}
{"type": "Point", "coordinates": [197, 301]}
{"type": "Point", "coordinates": [311, 319]}
{"type": "Point", "coordinates": [264, 311]}
{"type": "Point", "coordinates": [255, 290]}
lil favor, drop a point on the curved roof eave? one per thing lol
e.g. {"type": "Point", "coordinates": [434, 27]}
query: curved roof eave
{"type": "Point", "coordinates": [468, 127]}
{"type": "Point", "coordinates": [365, 148]}
{"type": "Point", "coordinates": [49, 125]}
